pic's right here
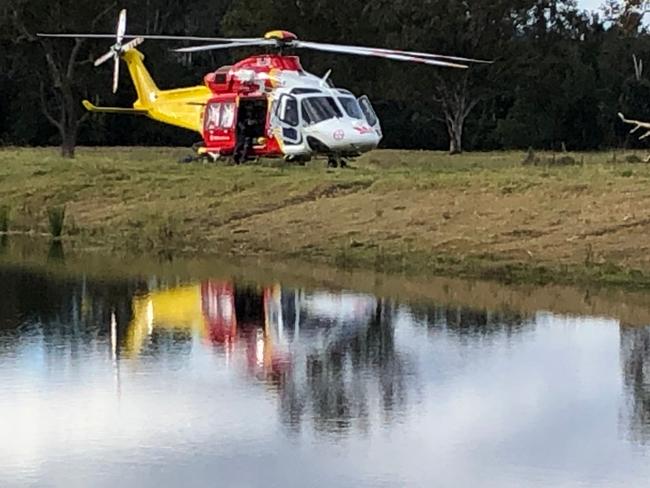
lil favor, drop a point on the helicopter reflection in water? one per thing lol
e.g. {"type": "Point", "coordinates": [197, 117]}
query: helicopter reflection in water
{"type": "Point", "coordinates": [328, 357]}
{"type": "Point", "coordinates": [268, 326]}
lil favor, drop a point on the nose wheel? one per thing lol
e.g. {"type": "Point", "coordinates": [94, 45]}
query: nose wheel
{"type": "Point", "coordinates": [336, 162]}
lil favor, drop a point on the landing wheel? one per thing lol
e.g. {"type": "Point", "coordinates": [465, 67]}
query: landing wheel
{"type": "Point", "coordinates": [198, 158]}
{"type": "Point", "coordinates": [299, 160]}
{"type": "Point", "coordinates": [336, 162]}
{"type": "Point", "coordinates": [188, 159]}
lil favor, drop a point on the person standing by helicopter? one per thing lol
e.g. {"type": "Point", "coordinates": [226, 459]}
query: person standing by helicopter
{"type": "Point", "coordinates": [244, 135]}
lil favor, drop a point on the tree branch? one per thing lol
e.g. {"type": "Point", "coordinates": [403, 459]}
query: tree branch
{"type": "Point", "coordinates": [72, 60]}
{"type": "Point", "coordinates": [20, 25]}
{"type": "Point", "coordinates": [101, 14]}
{"type": "Point", "coordinates": [51, 63]}
{"type": "Point", "coordinates": [46, 111]}
{"type": "Point", "coordinates": [83, 118]}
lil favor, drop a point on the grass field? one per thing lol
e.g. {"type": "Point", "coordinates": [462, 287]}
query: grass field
{"type": "Point", "coordinates": [477, 215]}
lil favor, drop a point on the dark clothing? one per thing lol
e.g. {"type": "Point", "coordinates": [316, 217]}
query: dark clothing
{"type": "Point", "coordinates": [243, 138]}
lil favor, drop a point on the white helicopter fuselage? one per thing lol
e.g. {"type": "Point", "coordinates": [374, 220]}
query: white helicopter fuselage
{"type": "Point", "coordinates": [309, 116]}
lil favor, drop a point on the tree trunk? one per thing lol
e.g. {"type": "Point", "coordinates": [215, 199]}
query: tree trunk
{"type": "Point", "coordinates": [455, 130]}
{"type": "Point", "coordinates": [68, 143]}
{"type": "Point", "coordinates": [457, 103]}
{"type": "Point", "coordinates": [68, 127]}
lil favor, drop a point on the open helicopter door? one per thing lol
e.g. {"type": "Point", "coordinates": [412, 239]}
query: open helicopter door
{"type": "Point", "coordinates": [285, 121]}
{"type": "Point", "coordinates": [369, 114]}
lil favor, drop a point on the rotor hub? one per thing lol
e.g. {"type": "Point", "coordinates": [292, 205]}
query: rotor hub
{"type": "Point", "coordinates": [281, 35]}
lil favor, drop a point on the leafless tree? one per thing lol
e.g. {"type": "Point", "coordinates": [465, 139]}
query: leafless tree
{"type": "Point", "coordinates": [59, 99]}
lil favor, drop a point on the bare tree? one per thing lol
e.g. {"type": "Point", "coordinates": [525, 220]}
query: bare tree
{"type": "Point", "coordinates": [58, 83]}
{"type": "Point", "coordinates": [457, 102]}
{"type": "Point", "coordinates": [470, 28]}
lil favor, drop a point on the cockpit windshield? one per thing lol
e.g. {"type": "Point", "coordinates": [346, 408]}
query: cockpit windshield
{"type": "Point", "coordinates": [318, 109]}
{"type": "Point", "coordinates": [351, 107]}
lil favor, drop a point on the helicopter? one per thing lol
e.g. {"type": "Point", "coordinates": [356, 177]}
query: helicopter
{"type": "Point", "coordinates": [271, 327]}
{"type": "Point", "coordinates": [265, 105]}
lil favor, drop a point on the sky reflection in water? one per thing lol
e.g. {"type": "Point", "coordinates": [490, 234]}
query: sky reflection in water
{"type": "Point", "coordinates": [214, 383]}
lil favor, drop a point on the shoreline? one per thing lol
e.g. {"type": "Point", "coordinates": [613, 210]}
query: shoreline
{"type": "Point", "coordinates": [479, 215]}
{"type": "Point", "coordinates": [630, 307]}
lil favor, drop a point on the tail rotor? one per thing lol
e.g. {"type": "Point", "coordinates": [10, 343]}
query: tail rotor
{"type": "Point", "coordinates": [118, 49]}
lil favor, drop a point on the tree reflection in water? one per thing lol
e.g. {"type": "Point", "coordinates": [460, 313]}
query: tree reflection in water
{"type": "Point", "coordinates": [336, 385]}
{"type": "Point", "coordinates": [469, 325]}
{"type": "Point", "coordinates": [635, 362]}
{"type": "Point", "coordinates": [68, 315]}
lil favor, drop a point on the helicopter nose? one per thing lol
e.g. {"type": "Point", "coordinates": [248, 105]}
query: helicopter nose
{"type": "Point", "coordinates": [356, 138]}
{"type": "Point", "coordinates": [347, 137]}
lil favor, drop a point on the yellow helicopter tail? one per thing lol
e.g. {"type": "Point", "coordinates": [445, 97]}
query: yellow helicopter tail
{"type": "Point", "coordinates": [112, 110]}
{"type": "Point", "coordinates": [182, 107]}
{"type": "Point", "coordinates": [145, 87]}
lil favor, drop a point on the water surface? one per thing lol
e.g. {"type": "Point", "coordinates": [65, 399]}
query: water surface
{"type": "Point", "coordinates": [157, 382]}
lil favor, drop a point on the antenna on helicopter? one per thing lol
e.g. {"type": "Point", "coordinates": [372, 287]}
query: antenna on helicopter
{"type": "Point", "coordinates": [325, 77]}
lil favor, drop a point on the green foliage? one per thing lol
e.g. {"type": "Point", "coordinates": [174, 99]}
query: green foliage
{"type": "Point", "coordinates": [560, 75]}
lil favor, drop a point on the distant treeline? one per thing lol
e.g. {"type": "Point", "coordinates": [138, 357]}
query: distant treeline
{"type": "Point", "coordinates": [560, 74]}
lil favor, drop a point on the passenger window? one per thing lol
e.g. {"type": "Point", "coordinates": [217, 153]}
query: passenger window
{"type": "Point", "coordinates": [227, 115]}
{"type": "Point", "coordinates": [213, 116]}
{"type": "Point", "coordinates": [219, 115]}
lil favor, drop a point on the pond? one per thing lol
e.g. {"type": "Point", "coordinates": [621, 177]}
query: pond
{"type": "Point", "coordinates": [152, 380]}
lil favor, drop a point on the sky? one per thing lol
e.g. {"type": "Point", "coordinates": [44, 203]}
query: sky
{"type": "Point", "coordinates": [590, 4]}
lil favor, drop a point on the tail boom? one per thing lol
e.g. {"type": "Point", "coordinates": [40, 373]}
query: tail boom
{"type": "Point", "coordinates": [181, 107]}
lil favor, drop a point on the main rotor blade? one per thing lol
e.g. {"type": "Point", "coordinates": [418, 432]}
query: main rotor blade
{"type": "Point", "coordinates": [380, 50]}
{"type": "Point", "coordinates": [431, 55]}
{"type": "Point", "coordinates": [116, 74]}
{"type": "Point", "coordinates": [121, 26]}
{"type": "Point", "coordinates": [211, 47]}
{"type": "Point", "coordinates": [335, 48]}
{"type": "Point", "coordinates": [156, 37]}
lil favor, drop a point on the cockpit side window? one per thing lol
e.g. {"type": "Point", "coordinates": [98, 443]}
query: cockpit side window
{"type": "Point", "coordinates": [289, 110]}
{"type": "Point", "coordinates": [351, 107]}
{"type": "Point", "coordinates": [318, 109]}
{"type": "Point", "coordinates": [368, 111]}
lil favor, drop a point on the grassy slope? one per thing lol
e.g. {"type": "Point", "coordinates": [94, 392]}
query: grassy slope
{"type": "Point", "coordinates": [479, 214]}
